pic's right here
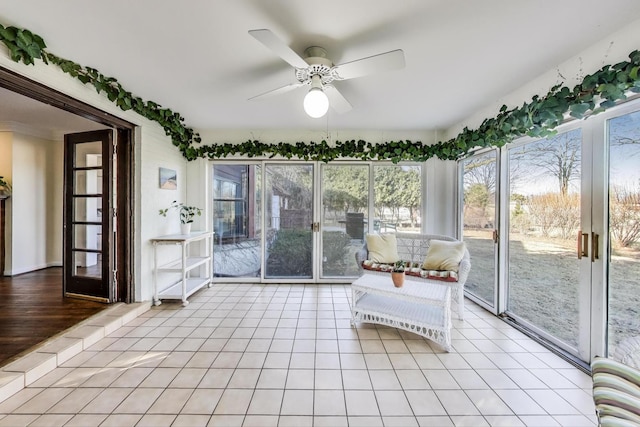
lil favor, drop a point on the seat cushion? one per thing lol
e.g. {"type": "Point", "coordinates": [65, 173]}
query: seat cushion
{"type": "Point", "coordinates": [382, 248]}
{"type": "Point", "coordinates": [443, 255]}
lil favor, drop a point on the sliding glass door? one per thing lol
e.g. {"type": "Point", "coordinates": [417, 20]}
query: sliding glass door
{"type": "Point", "coordinates": [277, 221]}
{"type": "Point", "coordinates": [345, 217]}
{"type": "Point", "coordinates": [289, 221]}
{"type": "Point", "coordinates": [479, 225]}
{"type": "Point", "coordinates": [623, 216]}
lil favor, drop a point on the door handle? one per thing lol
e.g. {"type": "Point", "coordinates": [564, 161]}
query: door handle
{"type": "Point", "coordinates": [495, 236]}
{"type": "Point", "coordinates": [315, 227]}
{"type": "Point", "coordinates": [594, 246]}
{"type": "Point", "coordinates": [583, 244]}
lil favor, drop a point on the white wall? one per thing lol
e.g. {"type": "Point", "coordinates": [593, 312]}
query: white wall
{"type": "Point", "coordinates": [610, 50]}
{"type": "Point", "coordinates": [6, 156]}
{"type": "Point", "coordinates": [32, 165]}
{"type": "Point", "coordinates": [34, 211]}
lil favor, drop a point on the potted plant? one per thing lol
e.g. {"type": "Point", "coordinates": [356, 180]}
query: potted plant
{"type": "Point", "coordinates": [5, 188]}
{"type": "Point", "coordinates": [397, 274]}
{"type": "Point", "coordinates": [186, 215]}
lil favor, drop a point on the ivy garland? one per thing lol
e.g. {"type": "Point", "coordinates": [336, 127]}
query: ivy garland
{"type": "Point", "coordinates": [537, 118]}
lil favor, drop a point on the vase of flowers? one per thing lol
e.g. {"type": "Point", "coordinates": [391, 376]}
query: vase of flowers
{"type": "Point", "coordinates": [187, 213]}
{"type": "Point", "coordinates": [5, 188]}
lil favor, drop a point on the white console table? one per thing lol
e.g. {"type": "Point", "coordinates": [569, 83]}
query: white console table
{"type": "Point", "coordinates": [419, 307]}
{"type": "Point", "coordinates": [188, 266]}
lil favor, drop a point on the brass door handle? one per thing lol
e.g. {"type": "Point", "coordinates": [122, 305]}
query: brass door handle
{"type": "Point", "coordinates": [583, 244]}
{"type": "Point", "coordinates": [594, 246]}
{"type": "Point", "coordinates": [495, 236]}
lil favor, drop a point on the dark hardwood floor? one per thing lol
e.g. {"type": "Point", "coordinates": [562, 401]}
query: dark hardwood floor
{"type": "Point", "coordinates": [33, 309]}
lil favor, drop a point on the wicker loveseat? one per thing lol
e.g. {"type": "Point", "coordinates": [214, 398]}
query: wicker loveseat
{"type": "Point", "coordinates": [413, 247]}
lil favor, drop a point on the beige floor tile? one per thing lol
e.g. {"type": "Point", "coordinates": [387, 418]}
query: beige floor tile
{"type": "Point", "coordinates": [139, 401]}
{"type": "Point", "coordinates": [266, 402]}
{"type": "Point", "coordinates": [234, 402]}
{"type": "Point", "coordinates": [469, 421]}
{"type": "Point", "coordinates": [74, 402]}
{"type": "Point", "coordinates": [356, 379]}
{"type": "Point", "coordinates": [412, 379]}
{"type": "Point", "coordinates": [252, 360]}
{"type": "Point", "coordinates": [552, 402]}
{"type": "Point", "coordinates": [260, 421]}
{"type": "Point", "coordinates": [366, 422]}
{"type": "Point", "coordinates": [18, 420]}
{"type": "Point", "coordinates": [277, 360]}
{"type": "Point", "coordinates": [188, 378]}
{"type": "Point", "coordinates": [328, 379]}
{"type": "Point", "coordinates": [361, 402]}
{"type": "Point", "coordinates": [170, 401]}
{"type": "Point", "coordinates": [300, 379]}
{"type": "Point", "coordinates": [84, 420]}
{"type": "Point", "coordinates": [272, 378]}
{"type": "Point", "coordinates": [352, 361]}
{"type": "Point", "coordinates": [244, 378]}
{"type": "Point", "coordinates": [216, 378]}
{"type": "Point", "coordinates": [393, 403]}
{"type": "Point", "coordinates": [51, 420]}
{"type": "Point", "coordinates": [297, 402]}
{"type": "Point", "coordinates": [160, 377]}
{"type": "Point", "coordinates": [202, 401]}
{"type": "Point", "coordinates": [43, 401]}
{"type": "Point", "coordinates": [132, 377]}
{"type": "Point", "coordinates": [488, 402]}
{"type": "Point", "coordinates": [456, 402]}
{"type": "Point", "coordinates": [121, 420]}
{"type": "Point", "coordinates": [156, 420]}
{"type": "Point", "coordinates": [106, 401]}
{"type": "Point", "coordinates": [329, 402]}
{"type": "Point", "coordinates": [202, 359]}
{"type": "Point", "coordinates": [327, 361]}
{"type": "Point", "coordinates": [384, 379]}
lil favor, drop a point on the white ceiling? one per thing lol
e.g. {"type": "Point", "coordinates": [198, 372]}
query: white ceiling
{"type": "Point", "coordinates": [196, 57]}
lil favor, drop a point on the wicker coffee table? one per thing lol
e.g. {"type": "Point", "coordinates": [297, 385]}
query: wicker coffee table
{"type": "Point", "coordinates": [418, 307]}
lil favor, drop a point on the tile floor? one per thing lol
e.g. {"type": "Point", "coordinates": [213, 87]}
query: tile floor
{"type": "Point", "coordinates": [286, 355]}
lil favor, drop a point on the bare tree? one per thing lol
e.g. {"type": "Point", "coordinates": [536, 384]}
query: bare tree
{"type": "Point", "coordinates": [559, 156]}
{"type": "Point", "coordinates": [624, 214]}
{"type": "Point", "coordinates": [555, 214]}
{"type": "Point", "coordinates": [481, 170]}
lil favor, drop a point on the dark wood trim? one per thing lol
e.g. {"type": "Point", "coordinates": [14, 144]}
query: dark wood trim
{"type": "Point", "coordinates": [2, 234]}
{"type": "Point", "coordinates": [125, 166]}
{"type": "Point", "coordinates": [32, 89]}
{"type": "Point", "coordinates": [125, 209]}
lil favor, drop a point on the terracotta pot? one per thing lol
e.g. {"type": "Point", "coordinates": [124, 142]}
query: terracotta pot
{"type": "Point", "coordinates": [398, 279]}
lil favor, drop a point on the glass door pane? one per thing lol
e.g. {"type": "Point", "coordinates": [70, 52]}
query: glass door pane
{"type": "Point", "coordinates": [88, 229]}
{"type": "Point", "coordinates": [546, 290]}
{"type": "Point", "coordinates": [288, 193]}
{"type": "Point", "coordinates": [345, 202]}
{"type": "Point", "coordinates": [624, 234]}
{"type": "Point", "coordinates": [479, 228]}
{"type": "Point", "coordinates": [398, 198]}
{"type": "Point", "coordinates": [237, 220]}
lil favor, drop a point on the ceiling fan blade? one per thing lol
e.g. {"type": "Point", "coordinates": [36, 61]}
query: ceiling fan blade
{"type": "Point", "coordinates": [338, 102]}
{"type": "Point", "coordinates": [277, 91]}
{"type": "Point", "coordinates": [271, 41]}
{"type": "Point", "coordinates": [373, 64]}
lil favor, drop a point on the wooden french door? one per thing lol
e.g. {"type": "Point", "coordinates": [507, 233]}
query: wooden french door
{"type": "Point", "coordinates": [88, 215]}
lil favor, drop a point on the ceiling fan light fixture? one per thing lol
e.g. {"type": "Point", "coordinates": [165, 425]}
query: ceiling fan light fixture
{"type": "Point", "coordinates": [316, 103]}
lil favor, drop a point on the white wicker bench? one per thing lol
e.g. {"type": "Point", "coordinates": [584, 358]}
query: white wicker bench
{"type": "Point", "coordinates": [413, 247]}
{"type": "Point", "coordinates": [421, 308]}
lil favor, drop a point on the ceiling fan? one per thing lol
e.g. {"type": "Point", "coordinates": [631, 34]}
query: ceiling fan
{"type": "Point", "coordinates": [317, 71]}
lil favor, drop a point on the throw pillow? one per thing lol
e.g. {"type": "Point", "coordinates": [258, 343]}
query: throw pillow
{"type": "Point", "coordinates": [443, 255]}
{"type": "Point", "coordinates": [382, 248]}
